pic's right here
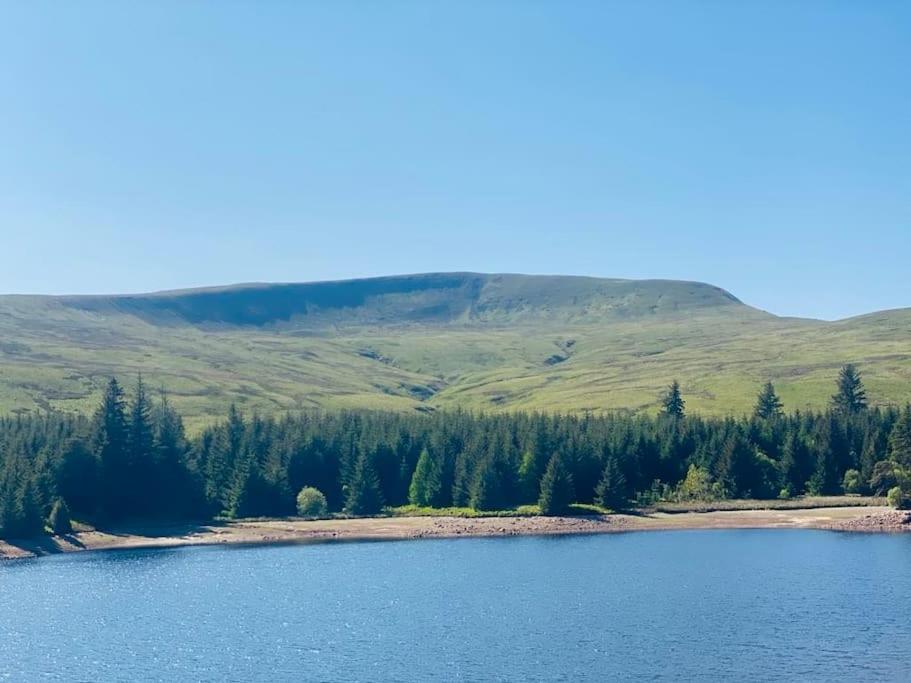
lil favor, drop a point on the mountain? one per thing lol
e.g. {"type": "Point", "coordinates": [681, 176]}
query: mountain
{"type": "Point", "coordinates": [434, 298]}
{"type": "Point", "coordinates": [493, 342]}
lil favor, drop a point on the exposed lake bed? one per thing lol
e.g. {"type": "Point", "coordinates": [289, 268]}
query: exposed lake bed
{"type": "Point", "coordinates": [285, 531]}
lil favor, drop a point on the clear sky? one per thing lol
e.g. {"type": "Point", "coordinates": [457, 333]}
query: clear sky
{"type": "Point", "coordinates": [761, 146]}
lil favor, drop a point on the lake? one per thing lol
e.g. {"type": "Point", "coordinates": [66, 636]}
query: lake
{"type": "Point", "coordinates": [689, 605]}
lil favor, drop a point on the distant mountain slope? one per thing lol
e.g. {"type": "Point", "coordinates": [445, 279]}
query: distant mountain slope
{"type": "Point", "coordinates": [409, 299]}
{"type": "Point", "coordinates": [422, 342]}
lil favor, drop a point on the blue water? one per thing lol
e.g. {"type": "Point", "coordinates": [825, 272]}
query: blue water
{"type": "Point", "coordinates": [697, 605]}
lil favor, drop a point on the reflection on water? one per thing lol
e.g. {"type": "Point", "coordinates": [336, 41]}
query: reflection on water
{"type": "Point", "coordinates": [744, 605]}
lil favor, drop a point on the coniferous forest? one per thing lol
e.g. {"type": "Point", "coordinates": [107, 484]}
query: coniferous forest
{"type": "Point", "coordinates": [133, 461]}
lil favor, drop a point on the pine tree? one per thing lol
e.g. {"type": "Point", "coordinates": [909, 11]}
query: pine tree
{"type": "Point", "coordinates": [832, 456]}
{"type": "Point", "coordinates": [173, 489]}
{"type": "Point", "coordinates": [426, 483]}
{"type": "Point", "coordinates": [110, 439]}
{"type": "Point", "coordinates": [850, 397]}
{"type": "Point", "coordinates": [529, 477]}
{"type": "Point", "coordinates": [141, 451]}
{"type": "Point", "coordinates": [612, 491]}
{"type": "Point", "coordinates": [245, 495]}
{"type": "Point", "coordinates": [672, 402]}
{"type": "Point", "coordinates": [736, 467]}
{"type": "Point", "coordinates": [829, 447]}
{"type": "Point", "coordinates": [364, 494]}
{"type": "Point", "coordinates": [557, 491]}
{"type": "Point", "coordinates": [78, 477]}
{"type": "Point", "coordinates": [900, 439]}
{"type": "Point", "coordinates": [485, 489]}
{"type": "Point", "coordinates": [29, 521]}
{"type": "Point", "coordinates": [768, 405]}
{"type": "Point", "coordinates": [223, 457]}
{"type": "Point", "coordinates": [796, 468]}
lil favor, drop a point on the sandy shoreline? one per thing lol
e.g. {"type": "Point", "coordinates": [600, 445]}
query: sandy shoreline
{"type": "Point", "coordinates": [870, 519]}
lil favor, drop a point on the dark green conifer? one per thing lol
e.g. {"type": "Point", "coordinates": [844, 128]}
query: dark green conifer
{"type": "Point", "coordinates": [768, 405]}
{"type": "Point", "coordinates": [672, 402]}
{"type": "Point", "coordinates": [850, 397]}
{"type": "Point", "coordinates": [110, 439]}
{"type": "Point", "coordinates": [141, 461]}
{"type": "Point", "coordinates": [557, 491]}
{"type": "Point", "coordinates": [364, 494]}
{"type": "Point", "coordinates": [426, 483]}
{"type": "Point", "coordinates": [900, 439]}
{"type": "Point", "coordinates": [612, 488]}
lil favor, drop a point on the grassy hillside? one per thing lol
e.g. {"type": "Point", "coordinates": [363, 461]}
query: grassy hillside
{"type": "Point", "coordinates": [493, 342]}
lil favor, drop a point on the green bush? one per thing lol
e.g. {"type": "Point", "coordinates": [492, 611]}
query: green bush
{"type": "Point", "coordinates": [852, 482]}
{"type": "Point", "coordinates": [311, 503]}
{"type": "Point", "coordinates": [59, 520]}
{"type": "Point", "coordinates": [896, 498]}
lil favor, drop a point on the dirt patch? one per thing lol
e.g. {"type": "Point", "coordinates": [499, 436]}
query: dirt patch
{"type": "Point", "coordinates": [277, 531]}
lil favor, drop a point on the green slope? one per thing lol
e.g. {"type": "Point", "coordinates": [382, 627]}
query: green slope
{"type": "Point", "coordinates": [493, 342]}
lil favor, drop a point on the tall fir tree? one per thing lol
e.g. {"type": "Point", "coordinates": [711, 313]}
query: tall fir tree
{"type": "Point", "coordinates": [223, 456]}
{"type": "Point", "coordinates": [900, 439]}
{"type": "Point", "coordinates": [557, 491]}
{"type": "Point", "coordinates": [141, 451]}
{"type": "Point", "coordinates": [850, 396]}
{"type": "Point", "coordinates": [426, 483]}
{"type": "Point", "coordinates": [672, 402]}
{"type": "Point", "coordinates": [796, 467]}
{"type": "Point", "coordinates": [768, 405]}
{"type": "Point", "coordinates": [828, 451]}
{"type": "Point", "coordinates": [485, 491]}
{"type": "Point", "coordinates": [174, 489]}
{"type": "Point", "coordinates": [111, 444]}
{"type": "Point", "coordinates": [364, 494]}
{"type": "Point", "coordinates": [612, 490]}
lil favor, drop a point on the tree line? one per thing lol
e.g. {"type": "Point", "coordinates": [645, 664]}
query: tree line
{"type": "Point", "coordinates": [132, 460]}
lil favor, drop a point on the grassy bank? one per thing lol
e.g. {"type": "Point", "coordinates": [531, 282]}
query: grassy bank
{"type": "Point", "coordinates": [803, 503]}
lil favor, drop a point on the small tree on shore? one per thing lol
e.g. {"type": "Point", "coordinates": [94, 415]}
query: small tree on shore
{"type": "Point", "coordinates": [896, 498]}
{"type": "Point", "coordinates": [852, 482]}
{"type": "Point", "coordinates": [311, 502]}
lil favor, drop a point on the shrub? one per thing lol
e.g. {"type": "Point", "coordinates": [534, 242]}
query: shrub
{"type": "Point", "coordinates": [852, 482]}
{"type": "Point", "coordinates": [896, 498]}
{"type": "Point", "coordinates": [59, 520]}
{"type": "Point", "coordinates": [311, 502]}
{"type": "Point", "coordinates": [697, 485]}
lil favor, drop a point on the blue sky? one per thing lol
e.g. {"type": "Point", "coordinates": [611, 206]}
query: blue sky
{"type": "Point", "coordinates": [761, 146]}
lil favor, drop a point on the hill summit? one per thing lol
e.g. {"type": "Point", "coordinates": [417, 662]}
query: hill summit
{"type": "Point", "coordinates": [439, 341]}
{"type": "Point", "coordinates": [415, 299]}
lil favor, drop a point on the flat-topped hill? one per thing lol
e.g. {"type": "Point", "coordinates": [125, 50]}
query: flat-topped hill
{"type": "Point", "coordinates": [441, 340]}
{"type": "Point", "coordinates": [432, 298]}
